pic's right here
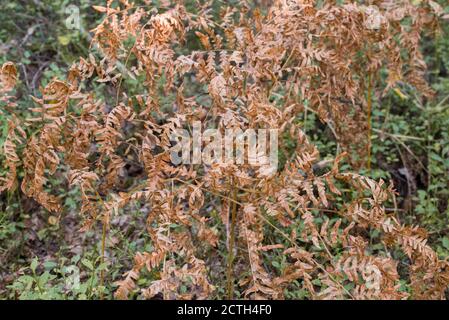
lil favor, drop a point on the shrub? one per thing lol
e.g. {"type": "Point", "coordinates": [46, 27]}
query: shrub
{"type": "Point", "coordinates": [247, 69]}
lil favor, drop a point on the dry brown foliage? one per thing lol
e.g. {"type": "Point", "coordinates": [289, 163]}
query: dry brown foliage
{"type": "Point", "coordinates": [254, 70]}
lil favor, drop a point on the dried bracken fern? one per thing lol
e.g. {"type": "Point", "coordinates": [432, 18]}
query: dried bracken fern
{"type": "Point", "coordinates": [253, 70]}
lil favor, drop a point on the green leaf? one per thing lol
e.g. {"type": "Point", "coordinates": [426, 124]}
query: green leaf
{"type": "Point", "coordinates": [446, 242]}
{"type": "Point", "coordinates": [102, 266]}
{"type": "Point", "coordinates": [436, 157]}
{"type": "Point", "coordinates": [64, 40]}
{"type": "Point", "coordinates": [50, 265]}
{"type": "Point", "coordinates": [34, 265]}
{"type": "Point", "coordinates": [87, 264]}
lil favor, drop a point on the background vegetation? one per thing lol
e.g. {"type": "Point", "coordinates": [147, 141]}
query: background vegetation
{"type": "Point", "coordinates": [43, 256]}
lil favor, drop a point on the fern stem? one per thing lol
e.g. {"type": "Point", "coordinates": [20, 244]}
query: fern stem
{"type": "Point", "coordinates": [230, 266]}
{"type": "Point", "coordinates": [103, 247]}
{"type": "Point", "coordinates": [369, 115]}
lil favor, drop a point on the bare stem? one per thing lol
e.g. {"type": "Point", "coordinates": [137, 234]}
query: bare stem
{"type": "Point", "coordinates": [103, 246]}
{"type": "Point", "coordinates": [369, 113]}
{"type": "Point", "coordinates": [230, 267]}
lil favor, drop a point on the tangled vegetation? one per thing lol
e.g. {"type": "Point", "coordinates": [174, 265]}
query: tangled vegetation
{"type": "Point", "coordinates": [86, 162]}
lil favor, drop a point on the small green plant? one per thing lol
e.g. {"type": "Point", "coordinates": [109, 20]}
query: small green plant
{"type": "Point", "coordinates": [70, 279]}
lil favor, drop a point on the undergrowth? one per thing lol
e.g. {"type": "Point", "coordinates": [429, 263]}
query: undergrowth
{"type": "Point", "coordinates": [95, 147]}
